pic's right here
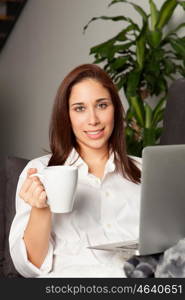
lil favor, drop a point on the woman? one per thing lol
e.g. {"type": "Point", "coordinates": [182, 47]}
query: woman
{"type": "Point", "coordinates": [86, 130]}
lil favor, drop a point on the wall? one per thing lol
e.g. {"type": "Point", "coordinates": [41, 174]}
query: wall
{"type": "Point", "coordinates": [45, 44]}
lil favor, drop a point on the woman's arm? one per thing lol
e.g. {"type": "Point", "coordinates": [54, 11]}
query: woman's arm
{"type": "Point", "coordinates": [38, 229]}
{"type": "Point", "coordinates": [37, 235]}
{"type": "Point", "coordinates": [21, 253]}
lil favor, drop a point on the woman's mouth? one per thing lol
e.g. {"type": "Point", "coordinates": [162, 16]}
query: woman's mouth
{"type": "Point", "coordinates": [95, 134]}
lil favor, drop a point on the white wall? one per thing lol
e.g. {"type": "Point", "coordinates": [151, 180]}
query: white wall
{"type": "Point", "coordinates": [46, 43]}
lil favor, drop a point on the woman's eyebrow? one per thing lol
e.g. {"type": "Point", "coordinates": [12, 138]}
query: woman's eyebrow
{"type": "Point", "coordinates": [98, 100]}
{"type": "Point", "coordinates": [102, 99]}
{"type": "Point", "coordinates": [77, 103]}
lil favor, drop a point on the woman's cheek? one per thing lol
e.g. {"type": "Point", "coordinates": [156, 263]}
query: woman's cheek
{"type": "Point", "coordinates": [78, 123]}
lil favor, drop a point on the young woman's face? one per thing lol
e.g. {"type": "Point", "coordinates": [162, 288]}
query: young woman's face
{"type": "Point", "coordinates": [91, 113]}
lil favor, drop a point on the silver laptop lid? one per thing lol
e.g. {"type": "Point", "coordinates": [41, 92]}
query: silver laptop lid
{"type": "Point", "coordinates": [162, 214]}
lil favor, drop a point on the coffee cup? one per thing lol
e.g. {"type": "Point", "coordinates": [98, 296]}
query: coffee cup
{"type": "Point", "coordinates": [60, 184]}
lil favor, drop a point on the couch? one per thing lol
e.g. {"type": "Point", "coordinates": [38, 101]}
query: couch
{"type": "Point", "coordinates": [9, 175]}
{"type": "Point", "coordinates": [174, 115]}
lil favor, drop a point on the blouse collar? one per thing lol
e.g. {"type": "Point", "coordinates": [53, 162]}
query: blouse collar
{"type": "Point", "coordinates": [75, 159]}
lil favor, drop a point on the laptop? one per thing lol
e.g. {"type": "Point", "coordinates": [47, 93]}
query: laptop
{"type": "Point", "coordinates": [162, 206]}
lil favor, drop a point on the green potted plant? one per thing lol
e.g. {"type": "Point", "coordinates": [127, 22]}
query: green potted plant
{"type": "Point", "coordinates": [143, 60]}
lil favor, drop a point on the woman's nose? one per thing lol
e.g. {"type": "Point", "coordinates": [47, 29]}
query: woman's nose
{"type": "Point", "coordinates": [93, 118]}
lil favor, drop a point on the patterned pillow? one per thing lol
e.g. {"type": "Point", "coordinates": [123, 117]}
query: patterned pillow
{"type": "Point", "coordinates": [172, 265]}
{"type": "Point", "coordinates": [142, 266]}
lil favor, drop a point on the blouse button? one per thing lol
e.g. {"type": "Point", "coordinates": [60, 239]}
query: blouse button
{"type": "Point", "coordinates": [107, 194]}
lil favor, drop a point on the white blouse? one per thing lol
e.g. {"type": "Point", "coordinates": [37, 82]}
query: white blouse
{"type": "Point", "coordinates": [106, 210]}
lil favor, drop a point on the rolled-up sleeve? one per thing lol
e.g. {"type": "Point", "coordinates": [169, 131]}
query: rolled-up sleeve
{"type": "Point", "coordinates": [16, 243]}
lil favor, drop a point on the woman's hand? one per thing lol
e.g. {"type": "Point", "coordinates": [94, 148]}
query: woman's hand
{"type": "Point", "coordinates": [32, 190]}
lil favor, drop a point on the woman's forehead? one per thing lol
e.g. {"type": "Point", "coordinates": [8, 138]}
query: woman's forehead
{"type": "Point", "coordinates": [88, 90]}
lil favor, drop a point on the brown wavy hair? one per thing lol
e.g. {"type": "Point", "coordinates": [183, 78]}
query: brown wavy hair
{"type": "Point", "coordinates": [61, 136]}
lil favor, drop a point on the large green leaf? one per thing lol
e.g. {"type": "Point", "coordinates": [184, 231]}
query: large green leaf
{"type": "Point", "coordinates": [116, 1]}
{"type": "Point", "coordinates": [161, 86]}
{"type": "Point", "coordinates": [158, 110]}
{"type": "Point", "coordinates": [140, 11]}
{"type": "Point", "coordinates": [98, 60]}
{"type": "Point", "coordinates": [154, 14]}
{"type": "Point", "coordinates": [138, 8]}
{"type": "Point", "coordinates": [122, 34]}
{"type": "Point", "coordinates": [169, 66]}
{"type": "Point", "coordinates": [103, 50]}
{"type": "Point", "coordinates": [120, 81]}
{"type": "Point", "coordinates": [156, 84]}
{"type": "Point", "coordinates": [181, 69]}
{"type": "Point", "coordinates": [122, 48]}
{"type": "Point", "coordinates": [133, 83]}
{"type": "Point", "coordinates": [119, 62]}
{"type": "Point", "coordinates": [149, 135]}
{"type": "Point", "coordinates": [158, 132]}
{"type": "Point", "coordinates": [176, 29]}
{"type": "Point", "coordinates": [140, 46]}
{"type": "Point", "coordinates": [114, 18]}
{"type": "Point", "coordinates": [153, 59]}
{"type": "Point", "coordinates": [98, 48]}
{"type": "Point", "coordinates": [159, 118]}
{"type": "Point", "coordinates": [154, 37]}
{"type": "Point", "coordinates": [129, 114]}
{"type": "Point", "coordinates": [138, 106]}
{"type": "Point", "coordinates": [109, 49]}
{"type": "Point", "coordinates": [179, 46]}
{"type": "Point", "coordinates": [166, 12]}
{"type": "Point", "coordinates": [148, 115]}
{"type": "Point", "coordinates": [160, 105]}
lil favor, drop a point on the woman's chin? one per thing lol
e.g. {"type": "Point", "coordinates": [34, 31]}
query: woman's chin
{"type": "Point", "coordinates": [97, 144]}
{"type": "Point", "coordinates": [94, 144]}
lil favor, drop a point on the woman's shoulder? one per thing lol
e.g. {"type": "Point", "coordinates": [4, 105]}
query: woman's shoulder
{"type": "Point", "coordinates": [39, 163]}
{"type": "Point", "coordinates": [41, 160]}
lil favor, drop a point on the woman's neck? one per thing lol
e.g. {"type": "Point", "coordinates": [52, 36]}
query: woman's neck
{"type": "Point", "coordinates": [94, 155]}
{"type": "Point", "coordinates": [95, 159]}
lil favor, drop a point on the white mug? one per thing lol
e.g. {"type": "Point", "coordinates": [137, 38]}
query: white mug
{"type": "Point", "coordinates": [60, 184]}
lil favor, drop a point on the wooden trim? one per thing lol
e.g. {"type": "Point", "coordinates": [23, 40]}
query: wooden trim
{"type": "Point", "coordinates": [18, 1]}
{"type": "Point", "coordinates": [2, 36]}
{"type": "Point", "coordinates": [7, 18]}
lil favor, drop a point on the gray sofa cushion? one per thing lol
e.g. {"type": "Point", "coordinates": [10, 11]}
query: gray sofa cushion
{"type": "Point", "coordinates": [13, 167]}
{"type": "Point", "coordinates": [174, 116]}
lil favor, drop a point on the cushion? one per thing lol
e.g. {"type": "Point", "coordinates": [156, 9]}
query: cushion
{"type": "Point", "coordinates": [14, 167]}
{"type": "Point", "coordinates": [174, 116]}
{"type": "Point", "coordinates": [2, 217]}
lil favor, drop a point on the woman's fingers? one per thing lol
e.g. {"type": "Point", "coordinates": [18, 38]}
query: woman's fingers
{"type": "Point", "coordinates": [32, 190]}
{"type": "Point", "coordinates": [35, 187]}
{"type": "Point", "coordinates": [27, 183]}
{"type": "Point", "coordinates": [31, 171]}
{"type": "Point", "coordinates": [43, 199]}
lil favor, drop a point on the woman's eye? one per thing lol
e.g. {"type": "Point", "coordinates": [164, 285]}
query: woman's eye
{"type": "Point", "coordinates": [102, 105]}
{"type": "Point", "coordinates": [79, 108]}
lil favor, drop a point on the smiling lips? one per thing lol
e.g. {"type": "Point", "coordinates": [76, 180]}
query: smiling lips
{"type": "Point", "coordinates": [96, 134]}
